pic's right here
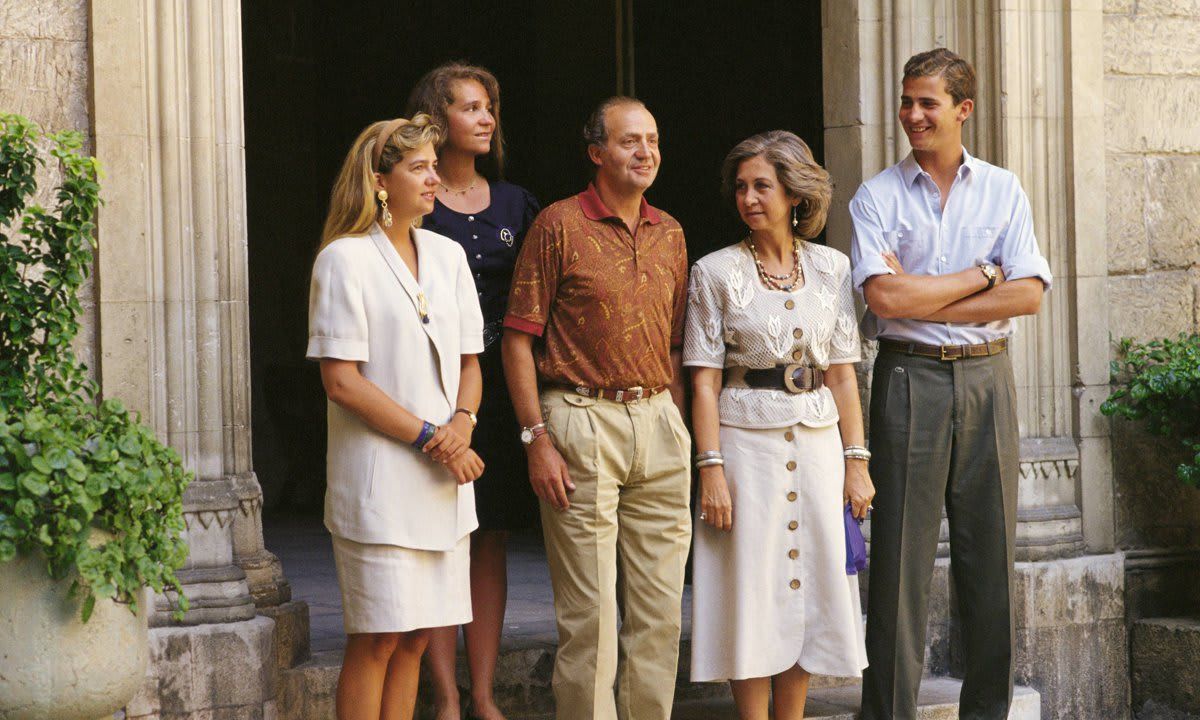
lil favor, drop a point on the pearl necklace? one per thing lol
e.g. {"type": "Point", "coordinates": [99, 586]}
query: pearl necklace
{"type": "Point", "coordinates": [779, 282]}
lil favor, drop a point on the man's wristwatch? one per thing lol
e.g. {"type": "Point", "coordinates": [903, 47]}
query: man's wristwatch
{"type": "Point", "coordinates": [470, 416]}
{"type": "Point", "coordinates": [529, 434]}
{"type": "Point", "coordinates": [989, 272]}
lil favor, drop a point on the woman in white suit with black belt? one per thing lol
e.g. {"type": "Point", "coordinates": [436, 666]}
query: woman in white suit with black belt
{"type": "Point", "coordinates": [395, 322]}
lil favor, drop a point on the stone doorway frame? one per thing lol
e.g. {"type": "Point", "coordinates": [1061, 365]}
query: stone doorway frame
{"type": "Point", "coordinates": [172, 292]}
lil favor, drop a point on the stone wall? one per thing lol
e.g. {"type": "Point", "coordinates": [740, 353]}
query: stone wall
{"type": "Point", "coordinates": [1152, 98]}
{"type": "Point", "coordinates": [45, 76]}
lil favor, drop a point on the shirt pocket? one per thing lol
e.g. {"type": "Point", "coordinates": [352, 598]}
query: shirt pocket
{"type": "Point", "coordinates": [981, 239]}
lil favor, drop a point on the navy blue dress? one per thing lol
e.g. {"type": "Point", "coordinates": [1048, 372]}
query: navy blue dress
{"type": "Point", "coordinates": [492, 238]}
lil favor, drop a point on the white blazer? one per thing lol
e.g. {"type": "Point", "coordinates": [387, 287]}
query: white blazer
{"type": "Point", "coordinates": [364, 305]}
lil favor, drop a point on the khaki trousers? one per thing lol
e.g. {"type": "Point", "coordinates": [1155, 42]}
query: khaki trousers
{"type": "Point", "coordinates": [941, 433]}
{"type": "Point", "coordinates": [619, 549]}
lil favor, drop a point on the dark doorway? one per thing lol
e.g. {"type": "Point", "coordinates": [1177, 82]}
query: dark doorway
{"type": "Point", "coordinates": [317, 72]}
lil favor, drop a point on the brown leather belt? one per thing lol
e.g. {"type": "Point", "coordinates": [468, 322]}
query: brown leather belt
{"type": "Point", "coordinates": [628, 395]}
{"type": "Point", "coordinates": [793, 378]}
{"type": "Point", "coordinates": [946, 352]}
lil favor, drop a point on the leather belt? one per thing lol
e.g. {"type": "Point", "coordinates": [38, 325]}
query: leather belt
{"type": "Point", "coordinates": [793, 378]}
{"type": "Point", "coordinates": [628, 395]}
{"type": "Point", "coordinates": [946, 353]}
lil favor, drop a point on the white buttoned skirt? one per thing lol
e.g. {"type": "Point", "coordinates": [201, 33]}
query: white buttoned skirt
{"type": "Point", "coordinates": [386, 588]}
{"type": "Point", "coordinates": [773, 593]}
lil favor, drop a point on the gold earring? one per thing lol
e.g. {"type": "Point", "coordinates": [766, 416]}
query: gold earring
{"type": "Point", "coordinates": [387, 216]}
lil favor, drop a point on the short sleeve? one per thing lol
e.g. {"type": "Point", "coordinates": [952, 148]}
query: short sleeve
{"type": "Point", "coordinates": [867, 242]}
{"type": "Point", "coordinates": [1017, 252]}
{"type": "Point", "coordinates": [470, 316]}
{"type": "Point", "coordinates": [845, 345]}
{"type": "Point", "coordinates": [704, 333]}
{"type": "Point", "coordinates": [681, 293]}
{"type": "Point", "coordinates": [337, 319]}
{"type": "Point", "coordinates": [535, 280]}
{"type": "Point", "coordinates": [531, 209]}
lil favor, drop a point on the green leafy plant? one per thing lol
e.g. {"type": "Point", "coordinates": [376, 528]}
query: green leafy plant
{"type": "Point", "coordinates": [69, 463]}
{"type": "Point", "coordinates": [1159, 382]}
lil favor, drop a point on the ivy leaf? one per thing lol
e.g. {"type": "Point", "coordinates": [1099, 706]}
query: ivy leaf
{"type": "Point", "coordinates": [42, 465]}
{"type": "Point", "coordinates": [89, 604]}
{"type": "Point", "coordinates": [24, 509]}
{"type": "Point", "coordinates": [34, 483]}
{"type": "Point", "coordinates": [7, 550]}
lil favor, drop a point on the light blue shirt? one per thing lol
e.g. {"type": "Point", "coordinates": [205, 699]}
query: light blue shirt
{"type": "Point", "coordinates": [987, 219]}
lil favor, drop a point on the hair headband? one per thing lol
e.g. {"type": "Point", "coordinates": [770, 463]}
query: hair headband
{"type": "Point", "coordinates": [380, 141]}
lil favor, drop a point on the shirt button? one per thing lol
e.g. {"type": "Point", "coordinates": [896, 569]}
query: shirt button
{"type": "Point", "coordinates": [470, 218]}
{"type": "Point", "coordinates": [793, 525]}
{"type": "Point", "coordinates": [943, 258]}
{"type": "Point", "coordinates": [789, 436]}
{"type": "Point", "coordinates": [478, 256]}
{"type": "Point", "coordinates": [795, 584]}
{"type": "Point", "coordinates": [789, 304]}
{"type": "Point", "coordinates": [478, 276]}
{"type": "Point", "coordinates": [797, 333]}
{"type": "Point", "coordinates": [474, 237]}
{"type": "Point", "coordinates": [798, 355]}
{"type": "Point", "coordinates": [791, 496]}
{"type": "Point", "coordinates": [793, 553]}
{"type": "Point", "coordinates": [791, 464]}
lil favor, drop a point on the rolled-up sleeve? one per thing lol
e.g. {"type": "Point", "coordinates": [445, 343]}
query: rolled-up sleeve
{"type": "Point", "coordinates": [470, 316]}
{"type": "Point", "coordinates": [703, 334]}
{"type": "Point", "coordinates": [1017, 250]}
{"type": "Point", "coordinates": [337, 318]}
{"type": "Point", "coordinates": [867, 241]}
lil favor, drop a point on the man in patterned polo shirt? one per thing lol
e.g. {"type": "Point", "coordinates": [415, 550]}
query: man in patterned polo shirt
{"type": "Point", "coordinates": [595, 323]}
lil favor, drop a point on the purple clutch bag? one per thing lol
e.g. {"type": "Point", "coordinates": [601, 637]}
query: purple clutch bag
{"type": "Point", "coordinates": [856, 547]}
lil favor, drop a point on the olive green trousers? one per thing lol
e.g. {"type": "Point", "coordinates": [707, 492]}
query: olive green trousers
{"type": "Point", "coordinates": [941, 433]}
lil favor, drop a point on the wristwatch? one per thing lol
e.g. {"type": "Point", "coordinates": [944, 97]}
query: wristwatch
{"type": "Point", "coordinates": [529, 434]}
{"type": "Point", "coordinates": [989, 272]}
{"type": "Point", "coordinates": [470, 416]}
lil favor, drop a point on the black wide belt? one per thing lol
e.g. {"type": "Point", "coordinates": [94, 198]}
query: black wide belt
{"type": "Point", "coordinates": [946, 352]}
{"type": "Point", "coordinates": [793, 378]}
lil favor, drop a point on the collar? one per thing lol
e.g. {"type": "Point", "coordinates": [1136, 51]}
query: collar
{"type": "Point", "coordinates": [595, 209]}
{"type": "Point", "coordinates": [910, 170]}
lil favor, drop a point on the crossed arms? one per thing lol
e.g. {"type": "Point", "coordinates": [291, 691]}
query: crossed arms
{"type": "Point", "coordinates": [958, 297]}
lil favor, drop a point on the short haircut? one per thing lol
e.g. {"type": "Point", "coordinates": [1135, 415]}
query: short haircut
{"type": "Point", "coordinates": [951, 67]}
{"type": "Point", "coordinates": [796, 169]}
{"type": "Point", "coordinates": [595, 132]}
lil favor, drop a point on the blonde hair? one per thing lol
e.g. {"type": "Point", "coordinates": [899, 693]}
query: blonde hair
{"type": "Point", "coordinates": [434, 94]}
{"type": "Point", "coordinates": [353, 206]}
{"type": "Point", "coordinates": [795, 167]}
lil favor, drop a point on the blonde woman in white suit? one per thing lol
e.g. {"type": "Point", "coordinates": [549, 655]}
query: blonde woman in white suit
{"type": "Point", "coordinates": [395, 322]}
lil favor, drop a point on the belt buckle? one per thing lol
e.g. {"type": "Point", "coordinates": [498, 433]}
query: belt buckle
{"type": "Point", "coordinates": [634, 392]}
{"type": "Point", "coordinates": [944, 357]}
{"type": "Point", "coordinates": [789, 382]}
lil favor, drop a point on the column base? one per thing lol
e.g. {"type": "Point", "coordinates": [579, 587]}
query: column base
{"type": "Point", "coordinates": [200, 669]}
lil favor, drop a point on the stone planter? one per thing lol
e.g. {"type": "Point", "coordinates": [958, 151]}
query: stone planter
{"type": "Point", "coordinates": [52, 666]}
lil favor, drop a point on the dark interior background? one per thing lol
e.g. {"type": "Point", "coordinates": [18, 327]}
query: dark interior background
{"type": "Point", "coordinates": [316, 73]}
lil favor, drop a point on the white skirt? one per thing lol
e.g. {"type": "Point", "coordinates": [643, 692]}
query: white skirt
{"type": "Point", "coordinates": [386, 588]}
{"type": "Point", "coordinates": [757, 610]}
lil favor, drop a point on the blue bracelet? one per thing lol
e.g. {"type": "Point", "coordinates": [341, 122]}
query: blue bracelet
{"type": "Point", "coordinates": [428, 430]}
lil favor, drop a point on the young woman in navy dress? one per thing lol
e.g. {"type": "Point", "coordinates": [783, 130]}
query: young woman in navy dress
{"type": "Point", "coordinates": [488, 217]}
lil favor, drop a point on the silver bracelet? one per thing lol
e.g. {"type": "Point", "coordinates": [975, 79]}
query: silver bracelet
{"type": "Point", "coordinates": [708, 454]}
{"type": "Point", "coordinates": [856, 452]}
{"type": "Point", "coordinates": [706, 462]}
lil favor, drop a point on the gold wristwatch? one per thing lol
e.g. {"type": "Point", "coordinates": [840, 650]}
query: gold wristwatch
{"type": "Point", "coordinates": [470, 416]}
{"type": "Point", "coordinates": [989, 272]}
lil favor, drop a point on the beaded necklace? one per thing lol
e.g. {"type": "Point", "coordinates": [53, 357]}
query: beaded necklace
{"type": "Point", "coordinates": [786, 283]}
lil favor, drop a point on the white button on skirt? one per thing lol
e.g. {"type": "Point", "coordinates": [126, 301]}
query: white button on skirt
{"type": "Point", "coordinates": [386, 588]}
{"type": "Point", "coordinates": [773, 592]}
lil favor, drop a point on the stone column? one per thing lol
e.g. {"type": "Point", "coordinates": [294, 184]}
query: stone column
{"type": "Point", "coordinates": [1039, 113]}
{"type": "Point", "coordinates": [173, 338]}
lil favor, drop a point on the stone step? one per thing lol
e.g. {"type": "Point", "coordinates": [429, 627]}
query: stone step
{"type": "Point", "coordinates": [307, 693]}
{"type": "Point", "coordinates": [1165, 674]}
